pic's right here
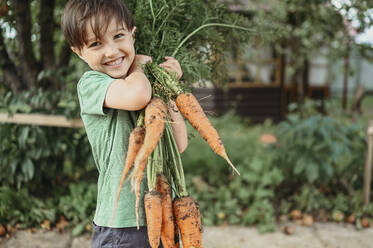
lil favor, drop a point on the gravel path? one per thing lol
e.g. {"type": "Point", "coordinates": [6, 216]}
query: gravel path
{"type": "Point", "coordinates": [319, 235]}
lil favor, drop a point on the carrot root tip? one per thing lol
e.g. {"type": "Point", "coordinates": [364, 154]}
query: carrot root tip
{"type": "Point", "coordinates": [230, 163]}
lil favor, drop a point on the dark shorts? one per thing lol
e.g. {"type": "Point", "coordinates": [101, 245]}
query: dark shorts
{"type": "Point", "coordinates": [128, 237]}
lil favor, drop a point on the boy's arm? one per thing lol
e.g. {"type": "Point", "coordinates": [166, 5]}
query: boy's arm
{"type": "Point", "coordinates": [178, 127]}
{"type": "Point", "coordinates": [132, 93]}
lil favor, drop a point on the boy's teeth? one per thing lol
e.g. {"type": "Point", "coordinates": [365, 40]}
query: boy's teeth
{"type": "Point", "coordinates": [115, 62]}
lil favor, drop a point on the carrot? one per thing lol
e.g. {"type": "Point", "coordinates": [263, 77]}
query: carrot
{"type": "Point", "coordinates": [135, 142]}
{"type": "Point", "coordinates": [168, 223]}
{"type": "Point", "coordinates": [153, 211]}
{"type": "Point", "coordinates": [188, 219]}
{"type": "Point", "coordinates": [193, 112]}
{"type": "Point", "coordinates": [155, 113]}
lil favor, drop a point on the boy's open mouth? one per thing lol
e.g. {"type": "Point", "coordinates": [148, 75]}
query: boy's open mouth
{"type": "Point", "coordinates": [115, 62]}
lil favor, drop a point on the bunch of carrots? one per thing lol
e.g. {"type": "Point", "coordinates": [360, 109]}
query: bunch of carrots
{"type": "Point", "coordinates": [153, 147]}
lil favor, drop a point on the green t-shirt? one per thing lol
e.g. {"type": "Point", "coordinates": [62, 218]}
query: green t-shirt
{"type": "Point", "coordinates": [108, 132]}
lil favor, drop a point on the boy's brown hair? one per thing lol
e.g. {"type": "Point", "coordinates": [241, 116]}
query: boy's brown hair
{"type": "Point", "coordinates": [98, 13]}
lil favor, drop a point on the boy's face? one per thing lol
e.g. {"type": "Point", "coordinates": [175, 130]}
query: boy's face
{"type": "Point", "coordinates": [113, 54]}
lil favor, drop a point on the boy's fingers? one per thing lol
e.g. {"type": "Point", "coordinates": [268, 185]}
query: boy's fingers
{"type": "Point", "coordinates": [166, 66]}
{"type": "Point", "coordinates": [144, 59]}
{"type": "Point", "coordinates": [171, 68]}
{"type": "Point", "coordinates": [169, 64]}
{"type": "Point", "coordinates": [172, 63]}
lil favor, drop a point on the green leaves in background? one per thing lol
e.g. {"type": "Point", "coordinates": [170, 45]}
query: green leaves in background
{"type": "Point", "coordinates": [320, 148]}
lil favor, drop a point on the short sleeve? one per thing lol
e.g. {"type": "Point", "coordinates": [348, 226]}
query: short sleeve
{"type": "Point", "coordinates": [92, 88]}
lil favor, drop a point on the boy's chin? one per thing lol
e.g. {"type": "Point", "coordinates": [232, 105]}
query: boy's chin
{"type": "Point", "coordinates": [119, 75]}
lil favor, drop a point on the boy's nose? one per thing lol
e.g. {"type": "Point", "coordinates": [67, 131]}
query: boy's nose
{"type": "Point", "coordinates": [110, 51]}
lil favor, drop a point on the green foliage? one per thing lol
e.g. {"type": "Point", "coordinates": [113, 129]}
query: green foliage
{"type": "Point", "coordinates": [40, 164]}
{"type": "Point", "coordinates": [303, 28]}
{"type": "Point", "coordinates": [79, 205]}
{"type": "Point", "coordinates": [320, 149]}
{"type": "Point", "coordinates": [308, 199]}
{"type": "Point", "coordinates": [322, 158]}
{"type": "Point", "coordinates": [228, 198]}
{"type": "Point", "coordinates": [39, 101]}
{"type": "Point", "coordinates": [20, 207]}
{"type": "Point", "coordinates": [27, 154]}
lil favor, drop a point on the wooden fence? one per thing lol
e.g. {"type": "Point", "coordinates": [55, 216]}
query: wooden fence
{"type": "Point", "coordinates": [41, 120]}
{"type": "Point", "coordinates": [256, 103]}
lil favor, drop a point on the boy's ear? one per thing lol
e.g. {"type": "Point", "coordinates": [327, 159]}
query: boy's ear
{"type": "Point", "coordinates": [133, 32]}
{"type": "Point", "coordinates": [77, 52]}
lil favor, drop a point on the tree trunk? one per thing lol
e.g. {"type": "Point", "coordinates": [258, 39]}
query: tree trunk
{"type": "Point", "coordinates": [345, 77]}
{"type": "Point", "coordinates": [46, 34]}
{"type": "Point", "coordinates": [10, 76]}
{"type": "Point", "coordinates": [28, 63]}
{"type": "Point", "coordinates": [65, 55]}
{"type": "Point", "coordinates": [306, 78]}
{"type": "Point", "coordinates": [47, 54]}
{"type": "Point", "coordinates": [281, 67]}
{"type": "Point", "coordinates": [368, 166]}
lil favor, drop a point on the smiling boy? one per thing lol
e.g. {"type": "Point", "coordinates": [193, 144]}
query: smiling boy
{"type": "Point", "coordinates": [102, 33]}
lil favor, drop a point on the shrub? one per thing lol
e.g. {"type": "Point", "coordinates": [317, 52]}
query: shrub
{"type": "Point", "coordinates": [322, 150]}
{"type": "Point", "coordinates": [37, 156]}
{"type": "Point", "coordinates": [20, 207]}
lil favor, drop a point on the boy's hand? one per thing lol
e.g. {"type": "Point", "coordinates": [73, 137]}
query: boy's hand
{"type": "Point", "coordinates": [143, 59]}
{"type": "Point", "coordinates": [172, 65]}
{"type": "Point", "coordinates": [139, 60]}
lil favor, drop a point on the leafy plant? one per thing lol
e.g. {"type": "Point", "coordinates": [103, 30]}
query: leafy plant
{"type": "Point", "coordinates": [320, 149]}
{"type": "Point", "coordinates": [36, 155]}
{"type": "Point", "coordinates": [310, 199]}
{"type": "Point", "coordinates": [321, 157]}
{"type": "Point", "coordinates": [79, 205]}
{"type": "Point", "coordinates": [20, 207]}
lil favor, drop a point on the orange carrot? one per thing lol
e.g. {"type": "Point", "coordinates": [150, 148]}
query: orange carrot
{"type": "Point", "coordinates": [135, 142]}
{"type": "Point", "coordinates": [155, 113]}
{"type": "Point", "coordinates": [188, 219]}
{"type": "Point", "coordinates": [193, 112]}
{"type": "Point", "coordinates": [153, 211]}
{"type": "Point", "coordinates": [168, 223]}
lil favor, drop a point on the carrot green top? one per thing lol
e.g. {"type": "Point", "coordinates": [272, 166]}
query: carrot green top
{"type": "Point", "coordinates": [108, 132]}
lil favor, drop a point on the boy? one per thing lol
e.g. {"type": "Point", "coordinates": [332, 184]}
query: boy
{"type": "Point", "coordinates": [101, 32]}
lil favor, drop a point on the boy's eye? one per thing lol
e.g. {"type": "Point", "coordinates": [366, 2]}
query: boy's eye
{"type": "Point", "coordinates": [117, 36]}
{"type": "Point", "coordinates": [94, 44]}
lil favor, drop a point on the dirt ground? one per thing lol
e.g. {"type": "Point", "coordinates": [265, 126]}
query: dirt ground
{"type": "Point", "coordinates": [319, 235]}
